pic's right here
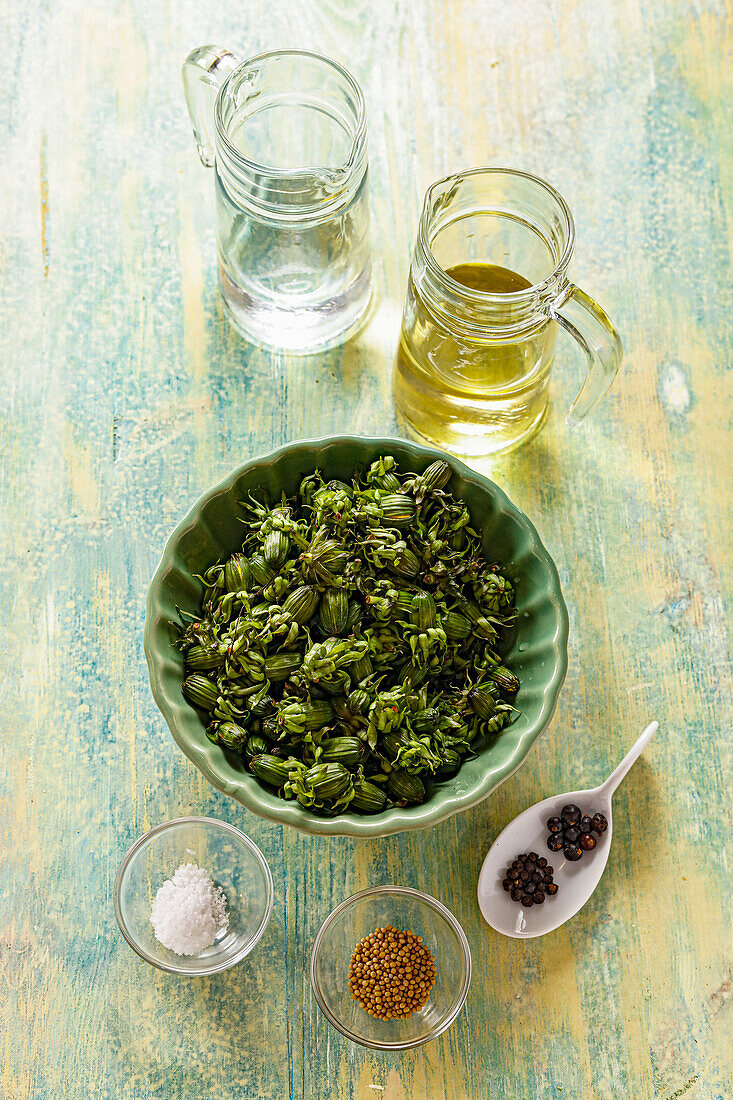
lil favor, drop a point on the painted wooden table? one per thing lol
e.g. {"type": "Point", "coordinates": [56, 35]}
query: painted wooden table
{"type": "Point", "coordinates": [125, 393]}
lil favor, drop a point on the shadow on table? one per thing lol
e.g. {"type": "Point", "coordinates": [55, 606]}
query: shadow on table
{"type": "Point", "coordinates": [164, 1027]}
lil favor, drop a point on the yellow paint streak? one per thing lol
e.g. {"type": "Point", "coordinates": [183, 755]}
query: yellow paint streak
{"type": "Point", "coordinates": [192, 287]}
{"type": "Point", "coordinates": [705, 56]}
{"type": "Point", "coordinates": [129, 71]}
{"type": "Point", "coordinates": [369, 1083]}
{"type": "Point", "coordinates": [393, 1087]}
{"type": "Point", "coordinates": [82, 479]}
{"type": "Point", "coordinates": [44, 206]}
{"type": "Point", "coordinates": [555, 999]}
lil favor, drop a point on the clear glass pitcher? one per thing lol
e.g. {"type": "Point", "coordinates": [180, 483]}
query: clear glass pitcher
{"type": "Point", "coordinates": [286, 135]}
{"type": "Point", "coordinates": [488, 286]}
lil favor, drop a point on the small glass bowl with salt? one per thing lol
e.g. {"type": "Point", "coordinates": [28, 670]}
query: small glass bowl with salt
{"type": "Point", "coordinates": [193, 896]}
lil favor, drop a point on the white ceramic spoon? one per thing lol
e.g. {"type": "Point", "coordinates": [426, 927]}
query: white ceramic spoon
{"type": "Point", "coordinates": [528, 833]}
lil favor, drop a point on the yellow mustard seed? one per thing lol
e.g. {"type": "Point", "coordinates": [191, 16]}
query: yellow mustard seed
{"type": "Point", "coordinates": [391, 973]}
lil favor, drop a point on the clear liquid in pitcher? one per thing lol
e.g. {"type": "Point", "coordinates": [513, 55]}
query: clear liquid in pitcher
{"type": "Point", "coordinates": [479, 394]}
{"type": "Point", "coordinates": [291, 275]}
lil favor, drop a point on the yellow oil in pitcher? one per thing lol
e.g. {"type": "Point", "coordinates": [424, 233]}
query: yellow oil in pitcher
{"type": "Point", "coordinates": [488, 278]}
{"type": "Point", "coordinates": [472, 391]}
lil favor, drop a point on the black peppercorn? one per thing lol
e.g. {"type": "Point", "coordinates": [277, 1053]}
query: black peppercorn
{"type": "Point", "coordinates": [570, 814]}
{"type": "Point", "coordinates": [528, 879]}
{"type": "Point", "coordinates": [572, 831]}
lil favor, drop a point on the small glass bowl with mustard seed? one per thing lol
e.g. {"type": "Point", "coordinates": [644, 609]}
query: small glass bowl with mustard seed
{"type": "Point", "coordinates": [390, 968]}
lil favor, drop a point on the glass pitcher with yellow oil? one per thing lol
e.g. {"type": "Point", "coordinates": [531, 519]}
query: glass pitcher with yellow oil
{"type": "Point", "coordinates": [488, 287]}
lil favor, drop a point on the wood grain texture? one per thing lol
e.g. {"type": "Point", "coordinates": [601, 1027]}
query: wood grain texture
{"type": "Point", "coordinates": [126, 393]}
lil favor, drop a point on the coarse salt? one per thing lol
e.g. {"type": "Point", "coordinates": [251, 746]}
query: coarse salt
{"type": "Point", "coordinates": [189, 911]}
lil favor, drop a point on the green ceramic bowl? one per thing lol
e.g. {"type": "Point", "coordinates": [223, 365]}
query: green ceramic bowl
{"type": "Point", "coordinates": [211, 531]}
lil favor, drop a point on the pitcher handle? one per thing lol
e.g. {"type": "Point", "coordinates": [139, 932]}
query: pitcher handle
{"type": "Point", "coordinates": [593, 329]}
{"type": "Point", "coordinates": [204, 72]}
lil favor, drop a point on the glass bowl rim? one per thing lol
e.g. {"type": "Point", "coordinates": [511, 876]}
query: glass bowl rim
{"type": "Point", "coordinates": [432, 903]}
{"type": "Point", "coordinates": [171, 968]}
